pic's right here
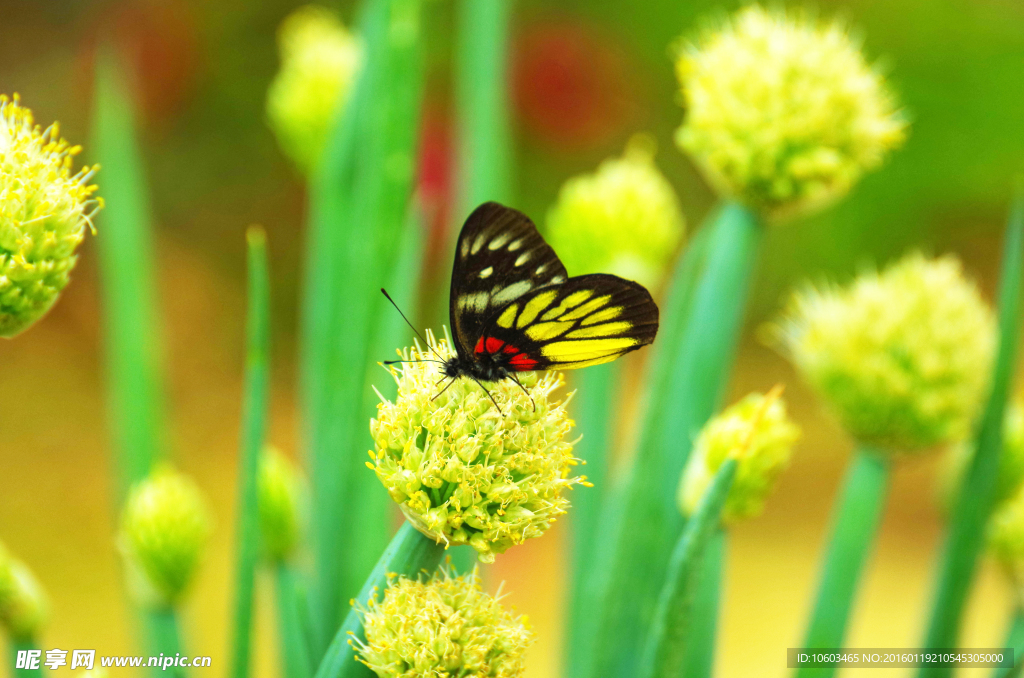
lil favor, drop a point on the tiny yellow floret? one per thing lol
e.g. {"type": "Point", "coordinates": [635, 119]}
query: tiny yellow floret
{"type": "Point", "coordinates": [623, 219]}
{"type": "Point", "coordinates": [759, 434]}
{"type": "Point", "coordinates": [782, 111]}
{"type": "Point", "coordinates": [902, 356]}
{"type": "Point", "coordinates": [465, 473]}
{"type": "Point", "coordinates": [165, 526]}
{"type": "Point", "coordinates": [320, 60]}
{"type": "Point", "coordinates": [45, 210]}
{"type": "Point", "coordinates": [442, 628]}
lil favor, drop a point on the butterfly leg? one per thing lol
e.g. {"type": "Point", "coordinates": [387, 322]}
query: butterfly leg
{"type": "Point", "coordinates": [520, 384]}
{"type": "Point", "coordinates": [443, 389]}
{"type": "Point", "coordinates": [488, 395]}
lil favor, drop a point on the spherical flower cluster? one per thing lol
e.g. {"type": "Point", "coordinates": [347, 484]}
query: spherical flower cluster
{"type": "Point", "coordinates": [623, 219]}
{"type": "Point", "coordinates": [1011, 460]}
{"type": "Point", "coordinates": [23, 605]}
{"type": "Point", "coordinates": [903, 356]}
{"type": "Point", "coordinates": [320, 60]}
{"type": "Point", "coordinates": [164, 529]}
{"type": "Point", "coordinates": [465, 472]}
{"type": "Point", "coordinates": [759, 434]}
{"type": "Point", "coordinates": [446, 626]}
{"type": "Point", "coordinates": [782, 112]}
{"type": "Point", "coordinates": [45, 210]}
{"type": "Point", "coordinates": [281, 490]}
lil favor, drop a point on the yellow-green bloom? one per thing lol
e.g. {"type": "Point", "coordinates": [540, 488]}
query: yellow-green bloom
{"type": "Point", "coordinates": [281, 490]}
{"type": "Point", "coordinates": [446, 626]}
{"type": "Point", "coordinates": [164, 529]}
{"type": "Point", "coordinates": [23, 605]}
{"type": "Point", "coordinates": [465, 473]}
{"type": "Point", "coordinates": [623, 219]}
{"type": "Point", "coordinates": [903, 356]}
{"type": "Point", "coordinates": [45, 209]}
{"type": "Point", "coordinates": [759, 434]}
{"type": "Point", "coordinates": [320, 60]}
{"type": "Point", "coordinates": [1011, 460]}
{"type": "Point", "coordinates": [782, 111]}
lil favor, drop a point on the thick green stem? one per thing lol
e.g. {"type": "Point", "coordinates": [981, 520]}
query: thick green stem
{"type": "Point", "coordinates": [26, 645]}
{"type": "Point", "coordinates": [126, 272]}
{"type": "Point", "coordinates": [254, 429]}
{"type": "Point", "coordinates": [855, 521]}
{"type": "Point", "coordinates": [672, 627]}
{"type": "Point", "coordinates": [409, 553]}
{"type": "Point", "coordinates": [689, 390]}
{"type": "Point", "coordinates": [975, 499]}
{"type": "Point", "coordinates": [700, 655]}
{"type": "Point", "coordinates": [164, 639]}
{"type": "Point", "coordinates": [291, 617]}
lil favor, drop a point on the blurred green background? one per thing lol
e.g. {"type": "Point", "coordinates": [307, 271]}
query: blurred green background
{"type": "Point", "coordinates": [585, 75]}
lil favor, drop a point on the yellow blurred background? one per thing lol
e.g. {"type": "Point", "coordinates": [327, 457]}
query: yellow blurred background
{"type": "Point", "coordinates": [213, 168]}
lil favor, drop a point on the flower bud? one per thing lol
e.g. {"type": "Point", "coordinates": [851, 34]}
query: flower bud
{"type": "Point", "coordinates": [281, 489]}
{"type": "Point", "coordinates": [783, 112]}
{"type": "Point", "coordinates": [902, 356]}
{"type": "Point", "coordinates": [45, 210]}
{"type": "Point", "coordinates": [465, 473]}
{"type": "Point", "coordinates": [623, 219]}
{"type": "Point", "coordinates": [320, 60]}
{"type": "Point", "coordinates": [23, 605]}
{"type": "Point", "coordinates": [445, 626]}
{"type": "Point", "coordinates": [164, 529]}
{"type": "Point", "coordinates": [756, 432]}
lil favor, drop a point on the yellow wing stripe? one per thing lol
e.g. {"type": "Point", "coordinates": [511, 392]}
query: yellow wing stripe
{"type": "Point", "coordinates": [592, 349]}
{"type": "Point", "coordinates": [587, 308]}
{"type": "Point", "coordinates": [605, 330]}
{"type": "Point", "coordinates": [535, 306]}
{"type": "Point", "coordinates": [603, 315]}
{"type": "Point", "coordinates": [587, 363]}
{"type": "Point", "coordinates": [547, 331]}
{"type": "Point", "coordinates": [571, 301]}
{"type": "Point", "coordinates": [508, 316]}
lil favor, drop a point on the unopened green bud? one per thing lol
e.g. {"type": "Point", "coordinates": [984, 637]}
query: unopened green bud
{"type": "Point", "coordinates": [282, 503]}
{"type": "Point", "coordinates": [445, 626]}
{"type": "Point", "coordinates": [23, 605]}
{"type": "Point", "coordinates": [164, 529]}
{"type": "Point", "coordinates": [45, 210]}
{"type": "Point", "coordinates": [756, 432]}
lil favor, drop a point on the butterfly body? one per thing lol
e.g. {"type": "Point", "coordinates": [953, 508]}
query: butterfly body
{"type": "Point", "coordinates": [514, 308]}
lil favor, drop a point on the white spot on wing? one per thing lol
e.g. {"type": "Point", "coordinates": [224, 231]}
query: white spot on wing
{"type": "Point", "coordinates": [478, 243]}
{"type": "Point", "coordinates": [513, 291]}
{"type": "Point", "coordinates": [540, 269]}
{"type": "Point", "coordinates": [476, 301]}
{"type": "Point", "coordinates": [558, 279]}
{"type": "Point", "coordinates": [523, 258]}
{"type": "Point", "coordinates": [465, 249]}
{"type": "Point", "coordinates": [486, 273]}
{"type": "Point", "coordinates": [515, 244]}
{"type": "Point", "coordinates": [499, 241]}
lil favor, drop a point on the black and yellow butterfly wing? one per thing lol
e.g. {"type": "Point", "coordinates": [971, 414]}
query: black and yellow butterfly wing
{"type": "Point", "coordinates": [511, 295]}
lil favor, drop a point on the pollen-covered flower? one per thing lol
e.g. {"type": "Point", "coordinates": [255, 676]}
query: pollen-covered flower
{"type": "Point", "coordinates": [782, 111]}
{"type": "Point", "coordinates": [320, 60]}
{"type": "Point", "coordinates": [23, 604]}
{"type": "Point", "coordinates": [903, 356]}
{"type": "Point", "coordinates": [1011, 460]}
{"type": "Point", "coordinates": [465, 473]}
{"type": "Point", "coordinates": [623, 219]}
{"type": "Point", "coordinates": [759, 434]}
{"type": "Point", "coordinates": [445, 626]}
{"type": "Point", "coordinates": [281, 489]}
{"type": "Point", "coordinates": [45, 209]}
{"type": "Point", "coordinates": [164, 529]}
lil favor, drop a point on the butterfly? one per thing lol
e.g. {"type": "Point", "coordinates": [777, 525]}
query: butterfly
{"type": "Point", "coordinates": [514, 308]}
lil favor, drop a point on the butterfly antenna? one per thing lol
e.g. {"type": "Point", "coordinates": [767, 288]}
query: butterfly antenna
{"type": "Point", "coordinates": [413, 328]}
{"type": "Point", "coordinates": [520, 384]}
{"type": "Point", "coordinates": [488, 395]}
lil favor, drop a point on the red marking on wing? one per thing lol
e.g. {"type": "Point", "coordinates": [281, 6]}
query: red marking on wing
{"type": "Point", "coordinates": [523, 362]}
{"type": "Point", "coordinates": [488, 345]}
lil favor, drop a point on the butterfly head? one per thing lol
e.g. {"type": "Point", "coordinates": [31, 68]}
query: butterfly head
{"type": "Point", "coordinates": [484, 367]}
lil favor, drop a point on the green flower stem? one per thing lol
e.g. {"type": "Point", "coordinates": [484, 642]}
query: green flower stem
{"type": "Point", "coordinates": [359, 202]}
{"type": "Point", "coordinates": [590, 576]}
{"type": "Point", "coordinates": [974, 501]}
{"type": "Point", "coordinates": [26, 644]}
{"type": "Point", "coordinates": [126, 271]}
{"type": "Point", "coordinates": [408, 554]}
{"type": "Point", "coordinates": [855, 523]}
{"type": "Point", "coordinates": [700, 655]}
{"type": "Point", "coordinates": [254, 430]}
{"type": "Point", "coordinates": [1015, 640]}
{"type": "Point", "coordinates": [481, 89]}
{"type": "Point", "coordinates": [687, 390]}
{"type": "Point", "coordinates": [672, 628]}
{"type": "Point", "coordinates": [164, 638]}
{"type": "Point", "coordinates": [295, 658]}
